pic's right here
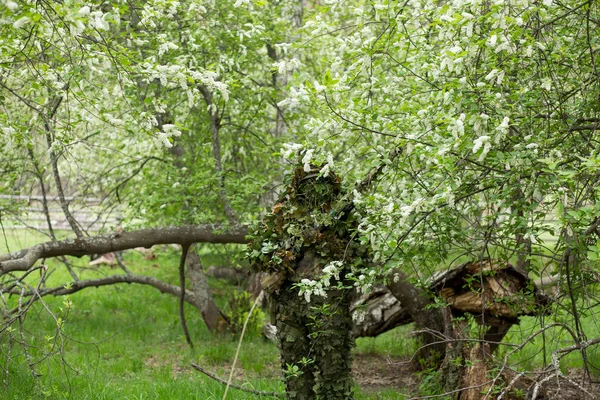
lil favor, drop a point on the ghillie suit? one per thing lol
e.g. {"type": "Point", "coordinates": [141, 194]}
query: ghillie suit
{"type": "Point", "coordinates": [306, 247]}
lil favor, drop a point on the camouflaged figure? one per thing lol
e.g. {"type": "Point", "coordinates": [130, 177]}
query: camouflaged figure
{"type": "Point", "coordinates": [309, 228]}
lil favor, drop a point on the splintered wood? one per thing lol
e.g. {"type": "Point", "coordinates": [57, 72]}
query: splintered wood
{"type": "Point", "coordinates": [489, 288]}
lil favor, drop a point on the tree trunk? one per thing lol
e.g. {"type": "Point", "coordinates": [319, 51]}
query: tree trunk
{"type": "Point", "coordinates": [215, 320]}
{"type": "Point", "coordinates": [315, 344]}
{"type": "Point", "coordinates": [428, 320]}
{"type": "Point", "coordinates": [377, 312]}
{"type": "Point", "coordinates": [314, 339]}
{"type": "Point", "coordinates": [475, 377]}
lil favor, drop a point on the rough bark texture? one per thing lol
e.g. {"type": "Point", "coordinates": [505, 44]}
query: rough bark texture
{"type": "Point", "coordinates": [496, 294]}
{"type": "Point", "coordinates": [215, 320]}
{"type": "Point", "coordinates": [451, 371]}
{"type": "Point", "coordinates": [427, 319]}
{"type": "Point", "coordinates": [475, 376]}
{"type": "Point", "coordinates": [24, 259]}
{"type": "Point", "coordinates": [372, 315]}
{"type": "Point", "coordinates": [316, 338]}
{"type": "Point", "coordinates": [378, 312]}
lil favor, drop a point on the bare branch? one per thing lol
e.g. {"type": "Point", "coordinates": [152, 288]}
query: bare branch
{"type": "Point", "coordinates": [184, 253]}
{"type": "Point", "coordinates": [111, 280]}
{"type": "Point", "coordinates": [224, 382]}
{"type": "Point", "coordinates": [215, 125]}
{"type": "Point", "coordinates": [24, 259]}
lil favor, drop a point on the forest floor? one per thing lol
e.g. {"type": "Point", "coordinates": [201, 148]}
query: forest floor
{"type": "Point", "coordinates": [125, 342]}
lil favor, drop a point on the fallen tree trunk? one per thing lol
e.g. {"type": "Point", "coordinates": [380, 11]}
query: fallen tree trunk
{"type": "Point", "coordinates": [428, 320]}
{"type": "Point", "coordinates": [229, 274]}
{"type": "Point", "coordinates": [378, 312]}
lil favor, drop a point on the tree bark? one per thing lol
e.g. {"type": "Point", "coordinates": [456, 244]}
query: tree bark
{"type": "Point", "coordinates": [378, 312]}
{"type": "Point", "coordinates": [315, 338]}
{"type": "Point", "coordinates": [24, 259]}
{"type": "Point", "coordinates": [215, 320]}
{"type": "Point", "coordinates": [426, 319]}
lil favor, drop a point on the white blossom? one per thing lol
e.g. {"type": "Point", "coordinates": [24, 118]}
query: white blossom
{"type": "Point", "coordinates": [290, 148]}
{"type": "Point", "coordinates": [11, 5]}
{"type": "Point", "coordinates": [546, 84]}
{"type": "Point", "coordinates": [307, 159]}
{"type": "Point", "coordinates": [21, 22]}
{"type": "Point", "coordinates": [482, 141]}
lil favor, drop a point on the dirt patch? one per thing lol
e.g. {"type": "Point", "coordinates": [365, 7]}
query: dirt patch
{"type": "Point", "coordinates": [375, 372]}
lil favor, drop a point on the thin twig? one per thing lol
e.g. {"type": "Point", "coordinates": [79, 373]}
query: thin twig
{"type": "Point", "coordinates": [259, 298]}
{"type": "Point", "coordinates": [223, 381]}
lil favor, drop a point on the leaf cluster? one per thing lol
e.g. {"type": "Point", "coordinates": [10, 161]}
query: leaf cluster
{"type": "Point", "coordinates": [309, 214]}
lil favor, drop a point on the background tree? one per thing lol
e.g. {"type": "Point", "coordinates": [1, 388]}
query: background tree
{"type": "Point", "coordinates": [481, 118]}
{"type": "Point", "coordinates": [494, 107]}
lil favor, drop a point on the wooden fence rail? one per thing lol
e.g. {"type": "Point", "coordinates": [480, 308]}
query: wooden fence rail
{"type": "Point", "coordinates": [88, 212]}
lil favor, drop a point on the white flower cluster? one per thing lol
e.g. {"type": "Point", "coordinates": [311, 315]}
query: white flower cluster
{"type": "Point", "coordinates": [362, 282]}
{"type": "Point", "coordinates": [290, 149]}
{"type": "Point", "coordinates": [296, 97]}
{"type": "Point", "coordinates": [165, 44]}
{"type": "Point", "coordinates": [11, 5]}
{"type": "Point", "coordinates": [327, 168]}
{"type": "Point", "coordinates": [154, 11]}
{"type": "Point", "coordinates": [168, 131]}
{"type": "Point", "coordinates": [482, 141]}
{"type": "Point", "coordinates": [309, 287]}
{"type": "Point", "coordinates": [307, 158]}
{"type": "Point", "coordinates": [180, 76]}
{"type": "Point", "coordinates": [285, 66]}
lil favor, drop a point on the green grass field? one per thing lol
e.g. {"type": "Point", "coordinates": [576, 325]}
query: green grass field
{"type": "Point", "coordinates": [125, 342]}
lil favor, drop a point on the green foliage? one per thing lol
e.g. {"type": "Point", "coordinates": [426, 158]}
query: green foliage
{"type": "Point", "coordinates": [307, 215]}
{"type": "Point", "coordinates": [493, 107]}
{"type": "Point", "coordinates": [238, 308]}
{"type": "Point", "coordinates": [126, 342]}
{"type": "Point", "coordinates": [432, 385]}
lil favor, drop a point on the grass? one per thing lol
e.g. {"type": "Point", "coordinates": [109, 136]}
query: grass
{"type": "Point", "coordinates": [125, 342]}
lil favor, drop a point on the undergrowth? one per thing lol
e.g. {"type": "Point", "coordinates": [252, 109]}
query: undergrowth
{"type": "Point", "coordinates": [125, 342]}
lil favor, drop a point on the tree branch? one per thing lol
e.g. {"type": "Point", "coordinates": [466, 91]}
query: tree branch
{"type": "Point", "coordinates": [110, 280]}
{"type": "Point", "coordinates": [54, 163]}
{"type": "Point", "coordinates": [24, 259]}
{"type": "Point", "coordinates": [224, 382]}
{"type": "Point", "coordinates": [215, 126]}
{"type": "Point", "coordinates": [184, 253]}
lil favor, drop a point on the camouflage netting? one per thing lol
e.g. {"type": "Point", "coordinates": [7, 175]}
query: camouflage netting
{"type": "Point", "coordinates": [309, 228]}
